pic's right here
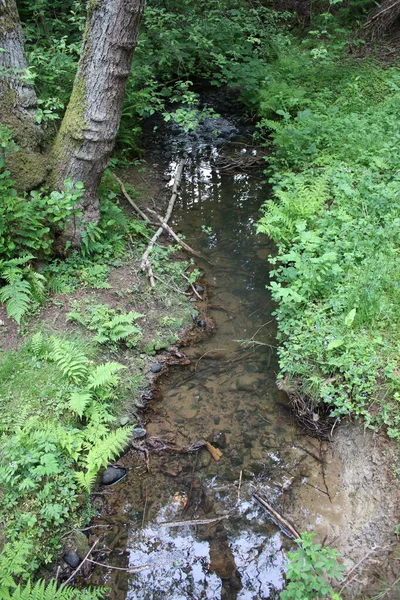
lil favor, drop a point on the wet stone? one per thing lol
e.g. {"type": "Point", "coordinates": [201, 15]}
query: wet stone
{"type": "Point", "coordinates": [72, 559]}
{"type": "Point", "coordinates": [246, 383]}
{"type": "Point", "coordinates": [112, 475]}
{"type": "Point", "coordinates": [219, 439]}
{"type": "Point", "coordinates": [156, 368]}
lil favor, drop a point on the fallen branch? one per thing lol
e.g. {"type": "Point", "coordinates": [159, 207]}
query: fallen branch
{"type": "Point", "coordinates": [126, 569]}
{"type": "Point", "coordinates": [80, 564]}
{"type": "Point", "coordinates": [280, 521]}
{"type": "Point", "coordinates": [131, 202]}
{"type": "Point", "coordinates": [193, 523]}
{"type": "Point", "coordinates": [145, 264]}
{"type": "Point", "coordinates": [178, 239]}
{"type": "Point", "coordinates": [215, 453]}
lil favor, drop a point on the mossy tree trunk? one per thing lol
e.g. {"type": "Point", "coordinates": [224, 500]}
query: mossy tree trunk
{"type": "Point", "coordinates": [87, 134]}
{"type": "Point", "coordinates": [18, 101]}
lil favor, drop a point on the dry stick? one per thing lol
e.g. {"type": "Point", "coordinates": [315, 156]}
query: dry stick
{"type": "Point", "coordinates": [196, 293]}
{"type": "Point", "coordinates": [380, 13]}
{"type": "Point", "coordinates": [80, 564]}
{"type": "Point", "coordinates": [346, 580]}
{"type": "Point", "coordinates": [205, 354]}
{"type": "Point", "coordinates": [240, 483]}
{"type": "Point", "coordinates": [131, 202]}
{"type": "Point", "coordinates": [126, 569]}
{"type": "Point", "coordinates": [178, 239]}
{"type": "Point", "coordinates": [194, 522]}
{"type": "Point", "coordinates": [145, 263]}
{"type": "Point", "coordinates": [286, 527]}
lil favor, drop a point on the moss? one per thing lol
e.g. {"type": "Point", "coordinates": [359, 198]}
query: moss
{"type": "Point", "coordinates": [28, 169]}
{"type": "Point", "coordinates": [28, 166]}
{"type": "Point", "coordinates": [72, 126]}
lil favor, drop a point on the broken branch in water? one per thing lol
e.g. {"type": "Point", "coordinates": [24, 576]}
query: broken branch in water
{"type": "Point", "coordinates": [145, 264]}
{"type": "Point", "coordinates": [80, 564]}
{"type": "Point", "coordinates": [127, 569]}
{"type": "Point", "coordinates": [286, 527]}
{"type": "Point", "coordinates": [194, 522]}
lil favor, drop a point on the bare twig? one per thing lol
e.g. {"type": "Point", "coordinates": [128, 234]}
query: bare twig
{"type": "Point", "coordinates": [240, 483]}
{"type": "Point", "coordinates": [278, 519]}
{"type": "Point", "coordinates": [126, 569]}
{"type": "Point", "coordinates": [145, 264]}
{"type": "Point", "coordinates": [131, 202]}
{"type": "Point", "coordinates": [80, 564]}
{"type": "Point", "coordinates": [194, 522]}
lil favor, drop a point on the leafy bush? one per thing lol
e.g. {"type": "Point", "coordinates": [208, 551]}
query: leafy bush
{"type": "Point", "coordinates": [335, 216]}
{"type": "Point", "coordinates": [309, 569]}
{"type": "Point", "coordinates": [48, 460]}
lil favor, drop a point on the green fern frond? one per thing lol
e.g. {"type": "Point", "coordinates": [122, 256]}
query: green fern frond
{"type": "Point", "coordinates": [107, 449]}
{"type": "Point", "coordinates": [86, 480]}
{"type": "Point", "coordinates": [38, 285]}
{"type": "Point", "coordinates": [78, 402]}
{"type": "Point", "coordinates": [71, 360]}
{"type": "Point", "coordinates": [43, 591]}
{"type": "Point", "coordinates": [104, 375]}
{"type": "Point", "coordinates": [17, 296]}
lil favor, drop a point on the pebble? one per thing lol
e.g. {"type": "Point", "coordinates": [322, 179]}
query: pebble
{"type": "Point", "coordinates": [138, 432]}
{"type": "Point", "coordinates": [156, 368]}
{"type": "Point", "coordinates": [124, 421]}
{"type": "Point", "coordinates": [246, 383]}
{"type": "Point", "coordinates": [255, 454]}
{"type": "Point", "coordinates": [112, 475]}
{"type": "Point", "coordinates": [219, 439]}
{"type": "Point", "coordinates": [72, 559]}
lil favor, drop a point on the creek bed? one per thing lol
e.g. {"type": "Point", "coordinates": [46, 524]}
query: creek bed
{"type": "Point", "coordinates": [228, 395]}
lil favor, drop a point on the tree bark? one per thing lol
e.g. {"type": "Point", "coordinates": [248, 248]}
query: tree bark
{"type": "Point", "coordinates": [18, 101]}
{"type": "Point", "coordinates": [87, 134]}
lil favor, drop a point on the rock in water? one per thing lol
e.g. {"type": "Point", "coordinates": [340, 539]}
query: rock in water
{"type": "Point", "coordinates": [112, 475]}
{"type": "Point", "coordinates": [72, 559]}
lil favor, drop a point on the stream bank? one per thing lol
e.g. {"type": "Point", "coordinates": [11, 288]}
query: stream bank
{"type": "Point", "coordinates": [228, 396]}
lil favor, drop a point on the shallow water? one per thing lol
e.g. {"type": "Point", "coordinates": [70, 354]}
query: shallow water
{"type": "Point", "coordinates": [228, 395]}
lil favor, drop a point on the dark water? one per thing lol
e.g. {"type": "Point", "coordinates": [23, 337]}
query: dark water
{"type": "Point", "coordinates": [228, 395]}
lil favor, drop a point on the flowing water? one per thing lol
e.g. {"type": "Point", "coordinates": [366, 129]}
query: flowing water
{"type": "Point", "coordinates": [228, 395]}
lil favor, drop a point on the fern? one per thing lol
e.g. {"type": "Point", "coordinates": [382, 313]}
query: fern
{"type": "Point", "coordinates": [24, 286]}
{"type": "Point", "coordinates": [107, 449]}
{"type": "Point", "coordinates": [43, 591]}
{"type": "Point", "coordinates": [86, 480]}
{"type": "Point", "coordinates": [70, 359]}
{"type": "Point", "coordinates": [79, 401]}
{"type": "Point", "coordinates": [17, 298]}
{"type": "Point", "coordinates": [104, 375]}
{"type": "Point", "coordinates": [298, 204]}
{"type": "Point", "coordinates": [38, 346]}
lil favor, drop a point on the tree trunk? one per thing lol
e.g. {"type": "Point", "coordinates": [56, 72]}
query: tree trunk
{"type": "Point", "coordinates": [18, 101]}
{"type": "Point", "coordinates": [89, 128]}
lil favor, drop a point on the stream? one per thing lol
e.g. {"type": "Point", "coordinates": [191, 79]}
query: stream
{"type": "Point", "coordinates": [228, 396]}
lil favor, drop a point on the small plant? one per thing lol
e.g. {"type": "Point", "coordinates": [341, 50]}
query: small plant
{"type": "Point", "coordinates": [309, 570]}
{"type": "Point", "coordinates": [23, 288]}
{"type": "Point", "coordinates": [109, 326]}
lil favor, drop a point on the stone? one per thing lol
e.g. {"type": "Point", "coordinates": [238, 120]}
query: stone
{"type": "Point", "coordinates": [199, 288]}
{"type": "Point", "coordinates": [81, 544]}
{"type": "Point", "coordinates": [124, 421]}
{"type": "Point", "coordinates": [246, 383]}
{"type": "Point", "coordinates": [72, 559]}
{"type": "Point", "coordinates": [217, 419]}
{"type": "Point", "coordinates": [255, 454]}
{"type": "Point", "coordinates": [156, 368]}
{"type": "Point", "coordinates": [138, 432]}
{"type": "Point", "coordinates": [219, 439]}
{"type": "Point", "coordinates": [112, 475]}
{"type": "Point", "coordinates": [205, 459]}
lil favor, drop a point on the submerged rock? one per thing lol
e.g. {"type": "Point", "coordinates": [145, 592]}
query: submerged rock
{"type": "Point", "coordinates": [219, 439]}
{"type": "Point", "coordinates": [112, 475]}
{"type": "Point", "coordinates": [72, 559]}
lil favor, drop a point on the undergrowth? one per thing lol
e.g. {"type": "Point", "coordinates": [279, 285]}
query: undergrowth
{"type": "Point", "coordinates": [335, 215]}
